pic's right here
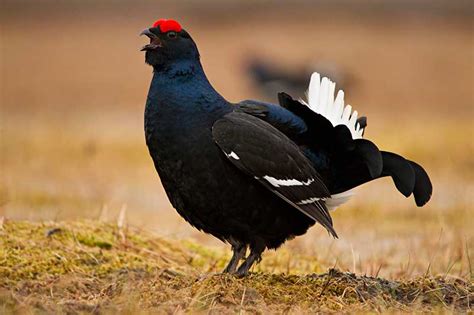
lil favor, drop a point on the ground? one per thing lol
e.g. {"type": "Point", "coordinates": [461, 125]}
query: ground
{"type": "Point", "coordinates": [98, 267]}
{"type": "Point", "coordinates": [73, 157]}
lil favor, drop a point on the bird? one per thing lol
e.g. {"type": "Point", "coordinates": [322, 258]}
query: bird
{"type": "Point", "coordinates": [256, 174]}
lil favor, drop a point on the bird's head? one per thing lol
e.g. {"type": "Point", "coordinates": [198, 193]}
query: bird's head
{"type": "Point", "coordinates": [169, 43]}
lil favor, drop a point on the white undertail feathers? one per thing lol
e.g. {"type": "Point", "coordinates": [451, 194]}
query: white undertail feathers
{"type": "Point", "coordinates": [321, 100]}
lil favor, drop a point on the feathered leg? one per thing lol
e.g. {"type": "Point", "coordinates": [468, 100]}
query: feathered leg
{"type": "Point", "coordinates": [255, 256]}
{"type": "Point", "coordinates": [239, 251]}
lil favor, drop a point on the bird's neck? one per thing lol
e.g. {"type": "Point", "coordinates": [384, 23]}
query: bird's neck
{"type": "Point", "coordinates": [181, 104]}
{"type": "Point", "coordinates": [183, 85]}
{"type": "Point", "coordinates": [179, 69]}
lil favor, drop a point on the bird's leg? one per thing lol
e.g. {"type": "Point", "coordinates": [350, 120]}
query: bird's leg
{"type": "Point", "coordinates": [255, 256]}
{"type": "Point", "coordinates": [239, 251]}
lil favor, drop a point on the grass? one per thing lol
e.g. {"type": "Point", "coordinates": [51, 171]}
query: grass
{"type": "Point", "coordinates": [90, 267]}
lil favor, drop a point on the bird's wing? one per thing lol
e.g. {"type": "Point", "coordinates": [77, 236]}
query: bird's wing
{"type": "Point", "coordinates": [266, 154]}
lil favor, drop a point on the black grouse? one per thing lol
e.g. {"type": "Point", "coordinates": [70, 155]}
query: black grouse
{"type": "Point", "coordinates": [255, 174]}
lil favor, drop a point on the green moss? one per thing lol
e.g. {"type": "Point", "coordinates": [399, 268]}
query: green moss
{"type": "Point", "coordinates": [92, 241]}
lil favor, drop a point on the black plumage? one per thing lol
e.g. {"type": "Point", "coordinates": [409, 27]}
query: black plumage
{"type": "Point", "coordinates": [253, 174]}
{"type": "Point", "coordinates": [250, 143]}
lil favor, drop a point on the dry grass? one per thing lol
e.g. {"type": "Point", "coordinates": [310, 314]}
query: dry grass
{"type": "Point", "coordinates": [90, 267]}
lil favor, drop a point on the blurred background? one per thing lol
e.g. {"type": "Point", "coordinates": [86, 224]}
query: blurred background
{"type": "Point", "coordinates": [74, 85]}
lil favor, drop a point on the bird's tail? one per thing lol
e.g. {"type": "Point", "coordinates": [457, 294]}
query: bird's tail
{"type": "Point", "coordinates": [408, 176]}
{"type": "Point", "coordinates": [356, 160]}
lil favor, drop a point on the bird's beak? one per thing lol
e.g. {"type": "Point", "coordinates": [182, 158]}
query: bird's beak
{"type": "Point", "coordinates": [155, 42]}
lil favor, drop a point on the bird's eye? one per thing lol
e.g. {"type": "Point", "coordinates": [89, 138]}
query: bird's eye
{"type": "Point", "coordinates": [172, 35]}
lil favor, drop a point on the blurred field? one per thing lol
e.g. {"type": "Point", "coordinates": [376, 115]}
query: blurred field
{"type": "Point", "coordinates": [74, 86]}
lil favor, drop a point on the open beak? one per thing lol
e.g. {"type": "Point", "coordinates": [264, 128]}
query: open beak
{"type": "Point", "coordinates": [155, 42]}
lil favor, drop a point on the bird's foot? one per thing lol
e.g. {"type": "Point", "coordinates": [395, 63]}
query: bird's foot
{"type": "Point", "coordinates": [241, 273]}
{"type": "Point", "coordinates": [247, 264]}
{"type": "Point", "coordinates": [230, 268]}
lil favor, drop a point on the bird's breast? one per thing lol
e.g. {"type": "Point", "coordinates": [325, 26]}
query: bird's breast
{"type": "Point", "coordinates": [179, 137]}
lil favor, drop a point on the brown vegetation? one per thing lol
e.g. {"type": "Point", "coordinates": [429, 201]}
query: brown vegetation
{"type": "Point", "coordinates": [90, 267]}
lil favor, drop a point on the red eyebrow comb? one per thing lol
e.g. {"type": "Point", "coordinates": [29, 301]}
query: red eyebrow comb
{"type": "Point", "coordinates": [168, 25]}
